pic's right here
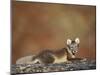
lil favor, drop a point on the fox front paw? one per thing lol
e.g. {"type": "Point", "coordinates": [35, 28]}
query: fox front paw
{"type": "Point", "coordinates": [68, 62]}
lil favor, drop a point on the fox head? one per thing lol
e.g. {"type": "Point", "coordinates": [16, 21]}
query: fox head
{"type": "Point", "coordinates": [73, 45]}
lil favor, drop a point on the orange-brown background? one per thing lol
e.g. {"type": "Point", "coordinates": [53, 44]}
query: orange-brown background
{"type": "Point", "coordinates": [39, 26]}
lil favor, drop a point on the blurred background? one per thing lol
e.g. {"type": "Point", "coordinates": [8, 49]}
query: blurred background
{"type": "Point", "coordinates": [39, 26]}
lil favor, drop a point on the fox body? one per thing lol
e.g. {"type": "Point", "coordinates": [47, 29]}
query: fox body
{"type": "Point", "coordinates": [50, 56]}
{"type": "Point", "coordinates": [59, 56]}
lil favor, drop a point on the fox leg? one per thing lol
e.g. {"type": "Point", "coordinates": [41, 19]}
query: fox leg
{"type": "Point", "coordinates": [67, 61]}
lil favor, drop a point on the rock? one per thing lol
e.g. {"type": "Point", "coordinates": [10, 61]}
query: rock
{"type": "Point", "coordinates": [38, 68]}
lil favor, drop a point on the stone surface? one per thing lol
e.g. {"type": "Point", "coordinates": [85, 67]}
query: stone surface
{"type": "Point", "coordinates": [39, 68]}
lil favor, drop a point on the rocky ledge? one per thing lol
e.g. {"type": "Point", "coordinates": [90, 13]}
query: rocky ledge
{"type": "Point", "coordinates": [43, 68]}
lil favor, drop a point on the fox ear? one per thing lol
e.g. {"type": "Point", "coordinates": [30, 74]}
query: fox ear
{"type": "Point", "coordinates": [69, 41]}
{"type": "Point", "coordinates": [77, 40]}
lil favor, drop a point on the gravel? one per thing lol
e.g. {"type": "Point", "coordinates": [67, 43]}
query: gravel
{"type": "Point", "coordinates": [43, 68]}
